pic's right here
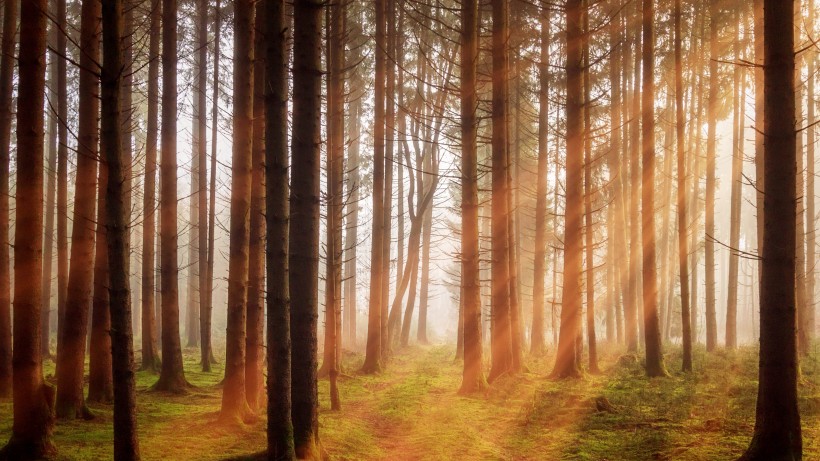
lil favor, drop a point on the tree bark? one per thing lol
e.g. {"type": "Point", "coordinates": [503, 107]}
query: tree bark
{"type": "Point", "coordinates": [709, 243]}
{"type": "Point", "coordinates": [6, 79]}
{"type": "Point", "coordinates": [33, 404]}
{"type": "Point", "coordinates": [172, 374]}
{"type": "Point", "coordinates": [73, 330]}
{"type": "Point", "coordinates": [117, 217]}
{"type": "Point", "coordinates": [777, 433]}
{"type": "Point", "coordinates": [234, 400]}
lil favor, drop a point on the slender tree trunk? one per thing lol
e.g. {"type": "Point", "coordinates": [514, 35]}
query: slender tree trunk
{"type": "Point", "coordinates": [100, 378]}
{"type": "Point", "coordinates": [683, 250]}
{"type": "Point", "coordinates": [206, 310]}
{"type": "Point", "coordinates": [711, 321]}
{"type": "Point", "coordinates": [74, 328]}
{"type": "Point", "coordinates": [389, 138]}
{"type": "Point", "coordinates": [589, 229]}
{"type": "Point", "coordinates": [777, 432]}
{"type": "Point", "coordinates": [472, 375]}
{"type": "Point", "coordinates": [6, 79]}
{"type": "Point", "coordinates": [734, 218]}
{"type": "Point", "coordinates": [537, 346]}
{"type": "Point", "coordinates": [501, 334]}
{"type": "Point", "coordinates": [374, 352]}
{"type": "Point", "coordinates": [150, 355]}
{"type": "Point", "coordinates": [567, 360]}
{"type": "Point", "coordinates": [51, 170]}
{"type": "Point", "coordinates": [62, 173]}
{"type": "Point", "coordinates": [254, 340]}
{"type": "Point", "coordinates": [811, 235]}
{"type": "Point", "coordinates": [234, 400]}
{"type": "Point", "coordinates": [33, 398]}
{"type": "Point", "coordinates": [280, 426]}
{"type": "Point", "coordinates": [424, 295]}
{"type": "Point", "coordinates": [202, 160]}
{"type": "Point", "coordinates": [117, 217]}
{"type": "Point", "coordinates": [172, 375]}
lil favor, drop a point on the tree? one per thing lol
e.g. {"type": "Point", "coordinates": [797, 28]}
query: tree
{"type": "Point", "coordinates": [304, 218]}
{"type": "Point", "coordinates": [202, 169]}
{"type": "Point", "coordinates": [62, 171]}
{"type": "Point", "coordinates": [777, 433]}
{"type": "Point", "coordinates": [150, 354]}
{"type": "Point", "coordinates": [33, 398]}
{"type": "Point", "coordinates": [683, 250]}
{"type": "Point", "coordinates": [172, 375]}
{"type": "Point", "coordinates": [652, 333]}
{"type": "Point", "coordinates": [567, 359]}
{"type": "Point", "coordinates": [117, 217]}
{"type": "Point", "coordinates": [711, 321]}
{"type": "Point", "coordinates": [373, 355]}
{"type": "Point", "coordinates": [74, 327]}
{"type": "Point", "coordinates": [6, 78]}
{"type": "Point", "coordinates": [736, 202]}
{"type": "Point", "coordinates": [254, 337]}
{"type": "Point", "coordinates": [280, 427]}
{"type": "Point", "coordinates": [501, 330]}
{"type": "Point", "coordinates": [473, 375]}
{"type": "Point", "coordinates": [234, 400]}
{"type": "Point", "coordinates": [589, 228]}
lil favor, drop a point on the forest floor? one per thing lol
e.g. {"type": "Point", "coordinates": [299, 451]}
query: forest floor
{"type": "Point", "coordinates": [412, 412]}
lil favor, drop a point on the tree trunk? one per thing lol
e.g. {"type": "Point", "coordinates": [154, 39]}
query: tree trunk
{"type": "Point", "coordinates": [473, 375]}
{"type": "Point", "coordinates": [683, 250]}
{"type": "Point", "coordinates": [711, 320]}
{"type": "Point", "coordinates": [501, 334]}
{"type": "Point", "coordinates": [777, 428]}
{"type": "Point", "coordinates": [206, 309]}
{"type": "Point", "coordinates": [255, 325]}
{"type": "Point", "coordinates": [589, 229]}
{"type": "Point", "coordinates": [736, 198]}
{"type": "Point", "coordinates": [234, 400]}
{"type": "Point", "coordinates": [652, 333]}
{"type": "Point", "coordinates": [117, 218]}
{"type": "Point", "coordinates": [74, 328]}
{"type": "Point", "coordinates": [373, 355]}
{"type": "Point", "coordinates": [6, 78]}
{"type": "Point", "coordinates": [304, 204]}
{"type": "Point", "coordinates": [537, 346]}
{"type": "Point", "coordinates": [172, 375]}
{"type": "Point", "coordinates": [150, 355]}
{"type": "Point", "coordinates": [33, 404]}
{"type": "Point", "coordinates": [567, 360]}
{"type": "Point", "coordinates": [62, 173]}
{"type": "Point", "coordinates": [811, 223]}
{"type": "Point", "coordinates": [51, 169]}
{"type": "Point", "coordinates": [280, 427]}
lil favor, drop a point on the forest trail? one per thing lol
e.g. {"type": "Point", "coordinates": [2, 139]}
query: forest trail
{"type": "Point", "coordinates": [412, 412]}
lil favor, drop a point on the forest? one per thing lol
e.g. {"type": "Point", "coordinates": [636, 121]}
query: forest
{"type": "Point", "coordinates": [409, 230]}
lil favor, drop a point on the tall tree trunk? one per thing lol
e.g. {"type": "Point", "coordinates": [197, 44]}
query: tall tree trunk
{"type": "Point", "coordinates": [424, 294]}
{"type": "Point", "coordinates": [74, 328]}
{"type": "Point", "coordinates": [172, 374]}
{"type": "Point", "coordinates": [537, 346]}
{"type": "Point", "coordinates": [654, 354]}
{"type": "Point", "coordinates": [374, 352]}
{"type": "Point", "coordinates": [280, 427]}
{"type": "Point", "coordinates": [202, 161]}
{"type": "Point", "coordinates": [6, 79]}
{"type": "Point", "coordinates": [254, 339]}
{"type": "Point", "coordinates": [117, 217]}
{"type": "Point", "coordinates": [589, 229]}
{"type": "Point", "coordinates": [736, 198]}
{"type": "Point", "coordinates": [234, 400]}
{"type": "Point", "coordinates": [472, 375]}
{"type": "Point", "coordinates": [62, 172]}
{"type": "Point", "coordinates": [711, 320]}
{"type": "Point", "coordinates": [33, 404]}
{"type": "Point", "coordinates": [501, 334]}
{"type": "Point", "coordinates": [51, 169]}
{"type": "Point", "coordinates": [683, 250]}
{"type": "Point", "coordinates": [206, 309]}
{"type": "Point", "coordinates": [100, 378]}
{"type": "Point", "coordinates": [777, 425]}
{"type": "Point", "coordinates": [811, 223]}
{"type": "Point", "coordinates": [150, 354]}
{"type": "Point", "coordinates": [389, 138]}
{"type": "Point", "coordinates": [567, 360]}
{"type": "Point", "coordinates": [304, 205]}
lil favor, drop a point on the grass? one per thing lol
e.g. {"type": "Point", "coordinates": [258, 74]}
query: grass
{"type": "Point", "coordinates": [412, 411]}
